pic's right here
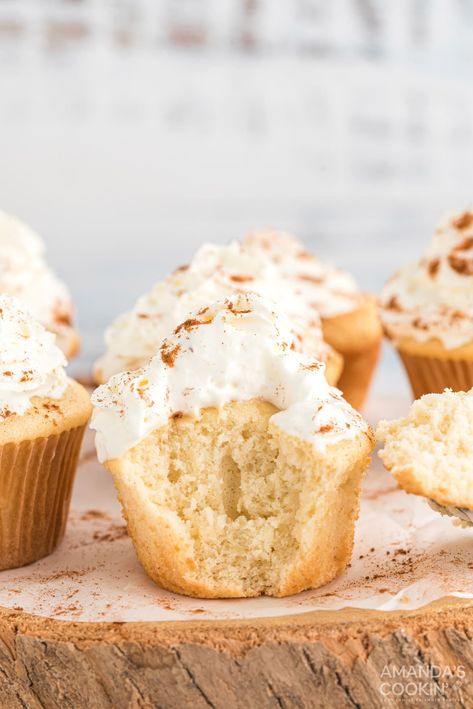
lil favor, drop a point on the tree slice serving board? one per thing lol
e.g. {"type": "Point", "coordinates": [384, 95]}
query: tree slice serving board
{"type": "Point", "coordinates": [87, 628]}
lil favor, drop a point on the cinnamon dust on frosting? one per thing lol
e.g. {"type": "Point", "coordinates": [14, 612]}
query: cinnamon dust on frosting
{"type": "Point", "coordinates": [217, 272]}
{"type": "Point", "coordinates": [433, 298]}
{"type": "Point", "coordinates": [330, 290]}
{"type": "Point", "coordinates": [243, 352]}
{"type": "Point", "coordinates": [31, 365]}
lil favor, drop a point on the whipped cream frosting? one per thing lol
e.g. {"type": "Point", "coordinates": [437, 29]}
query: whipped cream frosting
{"type": "Point", "coordinates": [433, 298]}
{"type": "Point", "coordinates": [31, 364]}
{"type": "Point", "coordinates": [329, 290]}
{"type": "Point", "coordinates": [25, 275]}
{"type": "Point", "coordinates": [216, 272]}
{"type": "Point", "coordinates": [234, 350]}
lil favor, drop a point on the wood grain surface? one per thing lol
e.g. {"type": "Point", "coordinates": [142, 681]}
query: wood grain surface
{"type": "Point", "coordinates": [344, 659]}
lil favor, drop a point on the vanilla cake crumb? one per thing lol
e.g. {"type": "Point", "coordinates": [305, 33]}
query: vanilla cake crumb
{"type": "Point", "coordinates": [429, 452]}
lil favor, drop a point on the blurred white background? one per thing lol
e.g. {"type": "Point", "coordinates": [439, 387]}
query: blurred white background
{"type": "Point", "coordinates": [133, 130]}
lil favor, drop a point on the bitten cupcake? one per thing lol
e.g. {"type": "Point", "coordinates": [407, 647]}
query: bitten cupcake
{"type": "Point", "coordinates": [429, 452]}
{"type": "Point", "coordinates": [427, 311]}
{"type": "Point", "coordinates": [215, 272]}
{"type": "Point", "coordinates": [43, 415]}
{"type": "Point", "coordinates": [238, 467]}
{"type": "Point", "coordinates": [25, 274]}
{"type": "Point", "coordinates": [350, 321]}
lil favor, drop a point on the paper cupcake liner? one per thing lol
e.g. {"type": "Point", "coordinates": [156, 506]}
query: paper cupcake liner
{"type": "Point", "coordinates": [36, 479]}
{"type": "Point", "coordinates": [358, 373]}
{"type": "Point", "coordinates": [429, 375]}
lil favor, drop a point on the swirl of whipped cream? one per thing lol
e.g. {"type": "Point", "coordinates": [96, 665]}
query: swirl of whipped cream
{"type": "Point", "coordinates": [216, 272]}
{"type": "Point", "coordinates": [31, 365]}
{"type": "Point", "coordinates": [329, 290]}
{"type": "Point", "coordinates": [25, 275]}
{"type": "Point", "coordinates": [433, 298]}
{"type": "Point", "coordinates": [233, 350]}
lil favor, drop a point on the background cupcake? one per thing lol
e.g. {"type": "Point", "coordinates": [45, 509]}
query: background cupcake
{"type": "Point", "coordinates": [214, 272]}
{"type": "Point", "coordinates": [25, 274]}
{"type": "Point", "coordinates": [349, 317]}
{"type": "Point", "coordinates": [43, 415]}
{"type": "Point", "coordinates": [427, 311]}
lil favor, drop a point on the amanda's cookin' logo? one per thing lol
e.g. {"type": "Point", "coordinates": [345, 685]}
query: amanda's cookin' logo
{"type": "Point", "coordinates": [421, 683]}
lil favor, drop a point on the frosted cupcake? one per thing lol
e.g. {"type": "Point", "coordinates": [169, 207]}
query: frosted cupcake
{"type": "Point", "coordinates": [430, 451]}
{"type": "Point", "coordinates": [238, 467]}
{"type": "Point", "coordinates": [349, 317]}
{"type": "Point", "coordinates": [43, 415]}
{"type": "Point", "coordinates": [25, 275]}
{"type": "Point", "coordinates": [427, 311]}
{"type": "Point", "coordinates": [215, 272]}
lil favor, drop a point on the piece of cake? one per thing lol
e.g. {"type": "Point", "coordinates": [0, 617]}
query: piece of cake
{"type": "Point", "coordinates": [429, 452]}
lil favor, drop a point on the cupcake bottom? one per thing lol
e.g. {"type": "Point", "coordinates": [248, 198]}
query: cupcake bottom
{"type": "Point", "coordinates": [357, 336]}
{"type": "Point", "coordinates": [358, 373]}
{"type": "Point", "coordinates": [231, 506]}
{"type": "Point", "coordinates": [36, 479]}
{"type": "Point", "coordinates": [39, 452]}
{"type": "Point", "coordinates": [431, 375]}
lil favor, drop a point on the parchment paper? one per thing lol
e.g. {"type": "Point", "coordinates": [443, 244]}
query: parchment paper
{"type": "Point", "coordinates": [405, 556]}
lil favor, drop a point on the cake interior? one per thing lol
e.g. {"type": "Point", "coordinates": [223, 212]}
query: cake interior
{"type": "Point", "coordinates": [429, 451]}
{"type": "Point", "coordinates": [238, 505]}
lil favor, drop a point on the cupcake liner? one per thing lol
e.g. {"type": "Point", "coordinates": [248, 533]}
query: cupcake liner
{"type": "Point", "coordinates": [358, 373]}
{"type": "Point", "coordinates": [429, 375]}
{"type": "Point", "coordinates": [36, 479]}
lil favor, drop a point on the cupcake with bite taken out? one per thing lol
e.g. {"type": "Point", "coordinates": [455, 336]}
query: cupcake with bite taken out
{"type": "Point", "coordinates": [25, 275]}
{"type": "Point", "coordinates": [43, 415]}
{"type": "Point", "coordinates": [427, 311]}
{"type": "Point", "coordinates": [238, 467]}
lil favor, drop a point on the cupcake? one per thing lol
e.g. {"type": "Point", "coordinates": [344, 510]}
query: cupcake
{"type": "Point", "coordinates": [429, 451]}
{"type": "Point", "coordinates": [25, 274]}
{"type": "Point", "coordinates": [238, 467]}
{"type": "Point", "coordinates": [43, 415]}
{"type": "Point", "coordinates": [215, 272]}
{"type": "Point", "coordinates": [350, 321]}
{"type": "Point", "coordinates": [427, 311]}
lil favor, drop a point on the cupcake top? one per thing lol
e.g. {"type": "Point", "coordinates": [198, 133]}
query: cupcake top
{"type": "Point", "coordinates": [429, 451]}
{"type": "Point", "coordinates": [433, 298]}
{"type": "Point", "coordinates": [233, 350]}
{"type": "Point", "coordinates": [328, 290]}
{"type": "Point", "coordinates": [31, 365]}
{"type": "Point", "coordinates": [215, 272]}
{"type": "Point", "coordinates": [25, 275]}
